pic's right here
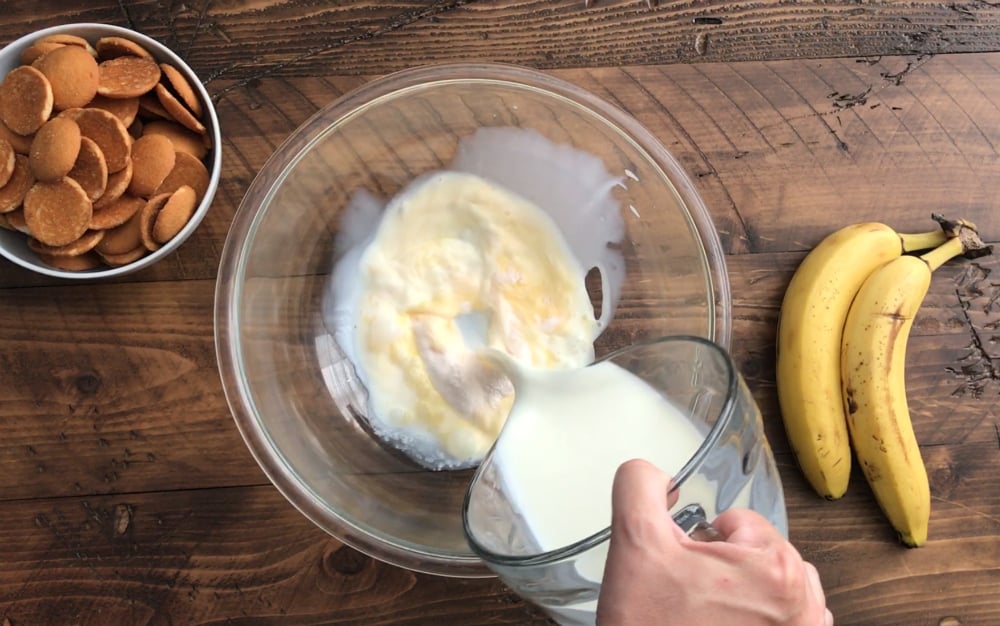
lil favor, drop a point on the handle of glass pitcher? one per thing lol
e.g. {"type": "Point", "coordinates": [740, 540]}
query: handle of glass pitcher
{"type": "Point", "coordinates": [692, 521]}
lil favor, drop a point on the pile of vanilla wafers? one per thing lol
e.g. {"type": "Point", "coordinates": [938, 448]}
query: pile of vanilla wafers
{"type": "Point", "coordinates": [102, 151]}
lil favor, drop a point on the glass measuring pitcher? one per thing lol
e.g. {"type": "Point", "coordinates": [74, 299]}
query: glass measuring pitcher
{"type": "Point", "coordinates": [538, 510]}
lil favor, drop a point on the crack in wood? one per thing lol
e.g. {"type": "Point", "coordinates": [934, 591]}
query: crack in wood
{"type": "Point", "coordinates": [896, 78]}
{"type": "Point", "coordinates": [701, 43]}
{"type": "Point", "coordinates": [128, 16]}
{"type": "Point", "coordinates": [844, 101]}
{"type": "Point", "coordinates": [199, 24]}
{"type": "Point", "coordinates": [977, 368]}
{"type": "Point", "coordinates": [848, 100]}
{"type": "Point", "coordinates": [396, 23]}
{"type": "Point", "coordinates": [967, 508]}
{"type": "Point", "coordinates": [841, 144]}
{"type": "Point", "coordinates": [964, 10]}
{"type": "Point", "coordinates": [650, 4]}
{"type": "Point", "coordinates": [123, 517]}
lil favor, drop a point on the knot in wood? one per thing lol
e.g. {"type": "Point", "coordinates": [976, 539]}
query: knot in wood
{"type": "Point", "coordinates": [88, 384]}
{"type": "Point", "coordinates": [346, 561]}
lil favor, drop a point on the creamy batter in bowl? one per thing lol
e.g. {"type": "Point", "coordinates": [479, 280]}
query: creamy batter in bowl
{"type": "Point", "coordinates": [299, 401]}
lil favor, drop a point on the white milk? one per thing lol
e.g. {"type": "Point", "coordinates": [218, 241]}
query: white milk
{"type": "Point", "coordinates": [568, 432]}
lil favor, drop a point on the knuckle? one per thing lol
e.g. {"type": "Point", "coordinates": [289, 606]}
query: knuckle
{"type": "Point", "coordinates": [786, 575]}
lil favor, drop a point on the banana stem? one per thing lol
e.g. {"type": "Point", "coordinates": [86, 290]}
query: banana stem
{"type": "Point", "coordinates": [963, 238]}
{"type": "Point", "coordinates": [922, 241]}
{"type": "Point", "coordinates": [948, 250]}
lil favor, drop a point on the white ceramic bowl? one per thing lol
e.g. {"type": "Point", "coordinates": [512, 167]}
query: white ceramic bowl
{"type": "Point", "coordinates": [14, 245]}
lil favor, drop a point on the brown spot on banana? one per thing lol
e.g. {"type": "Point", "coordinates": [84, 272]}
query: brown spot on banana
{"type": "Point", "coordinates": [852, 405]}
{"type": "Point", "coordinates": [895, 316]}
{"type": "Point", "coordinates": [871, 472]}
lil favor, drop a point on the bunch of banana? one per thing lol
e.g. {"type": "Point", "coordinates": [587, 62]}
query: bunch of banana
{"type": "Point", "coordinates": [842, 337]}
{"type": "Point", "coordinates": [810, 333]}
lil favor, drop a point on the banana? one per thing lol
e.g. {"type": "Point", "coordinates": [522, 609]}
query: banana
{"type": "Point", "coordinates": [810, 331]}
{"type": "Point", "coordinates": [873, 359]}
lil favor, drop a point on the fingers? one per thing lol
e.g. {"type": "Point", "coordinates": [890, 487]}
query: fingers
{"type": "Point", "coordinates": [747, 528]}
{"type": "Point", "coordinates": [639, 485]}
{"type": "Point", "coordinates": [816, 590]}
{"type": "Point", "coordinates": [639, 473]}
{"type": "Point", "coordinates": [815, 586]}
{"type": "Point", "coordinates": [639, 503]}
{"type": "Point", "coordinates": [642, 542]}
{"type": "Point", "coordinates": [750, 529]}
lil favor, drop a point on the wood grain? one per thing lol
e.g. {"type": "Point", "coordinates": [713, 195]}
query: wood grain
{"type": "Point", "coordinates": [249, 39]}
{"type": "Point", "coordinates": [128, 495]}
{"type": "Point", "coordinates": [807, 139]}
{"type": "Point", "coordinates": [761, 140]}
{"type": "Point", "coordinates": [243, 553]}
{"type": "Point", "coordinates": [212, 541]}
{"type": "Point", "coordinates": [214, 556]}
{"type": "Point", "coordinates": [128, 409]}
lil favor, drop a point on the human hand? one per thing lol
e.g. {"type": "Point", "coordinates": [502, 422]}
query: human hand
{"type": "Point", "coordinates": [657, 575]}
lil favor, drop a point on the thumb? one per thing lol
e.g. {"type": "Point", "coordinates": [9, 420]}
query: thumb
{"type": "Point", "coordinates": [639, 505]}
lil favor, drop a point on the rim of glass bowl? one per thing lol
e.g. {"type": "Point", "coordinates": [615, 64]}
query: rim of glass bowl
{"type": "Point", "coordinates": [257, 200]}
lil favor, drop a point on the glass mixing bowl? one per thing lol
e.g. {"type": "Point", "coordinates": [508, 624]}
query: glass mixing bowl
{"type": "Point", "coordinates": [294, 395]}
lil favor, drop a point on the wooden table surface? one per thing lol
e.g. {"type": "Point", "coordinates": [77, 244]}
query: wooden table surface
{"type": "Point", "coordinates": [126, 493]}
